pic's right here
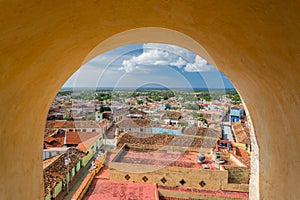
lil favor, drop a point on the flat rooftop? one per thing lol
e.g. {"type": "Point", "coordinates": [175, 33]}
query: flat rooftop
{"type": "Point", "coordinates": [185, 159]}
{"type": "Point", "coordinates": [160, 158]}
{"type": "Point", "coordinates": [115, 190]}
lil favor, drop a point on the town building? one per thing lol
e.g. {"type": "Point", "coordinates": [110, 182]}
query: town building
{"type": "Point", "coordinates": [177, 170]}
{"type": "Point", "coordinates": [74, 126]}
{"type": "Point", "coordinates": [59, 142]}
{"type": "Point", "coordinates": [235, 114]}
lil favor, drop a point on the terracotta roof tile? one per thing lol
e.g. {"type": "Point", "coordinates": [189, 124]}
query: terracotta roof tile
{"type": "Point", "coordinates": [79, 137]}
{"type": "Point", "coordinates": [241, 133]}
{"type": "Point", "coordinates": [72, 138]}
{"type": "Point", "coordinates": [83, 145]}
{"type": "Point", "coordinates": [173, 114]}
{"type": "Point", "coordinates": [71, 124]}
{"type": "Point", "coordinates": [59, 124]}
{"type": "Point", "coordinates": [134, 123]}
{"type": "Point", "coordinates": [49, 139]}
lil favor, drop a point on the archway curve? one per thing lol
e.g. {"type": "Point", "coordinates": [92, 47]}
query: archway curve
{"type": "Point", "coordinates": [149, 34]}
{"type": "Point", "coordinates": [168, 36]}
{"type": "Point", "coordinates": [44, 43]}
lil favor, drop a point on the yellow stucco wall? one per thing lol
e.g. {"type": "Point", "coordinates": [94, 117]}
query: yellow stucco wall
{"type": "Point", "coordinates": [214, 179]}
{"type": "Point", "coordinates": [256, 44]}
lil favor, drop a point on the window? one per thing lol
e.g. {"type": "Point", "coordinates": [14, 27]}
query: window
{"type": "Point", "coordinates": [84, 130]}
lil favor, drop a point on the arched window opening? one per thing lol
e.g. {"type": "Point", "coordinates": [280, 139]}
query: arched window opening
{"type": "Point", "coordinates": [149, 113]}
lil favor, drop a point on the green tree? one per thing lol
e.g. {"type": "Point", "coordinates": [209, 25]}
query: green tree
{"type": "Point", "coordinates": [101, 109]}
{"type": "Point", "coordinates": [139, 101]}
{"type": "Point", "coordinates": [174, 107]}
{"type": "Point", "coordinates": [192, 107]}
{"type": "Point", "coordinates": [201, 107]}
{"type": "Point", "coordinates": [201, 118]}
{"type": "Point", "coordinates": [236, 99]}
{"type": "Point", "coordinates": [157, 98]}
{"type": "Point", "coordinates": [167, 106]}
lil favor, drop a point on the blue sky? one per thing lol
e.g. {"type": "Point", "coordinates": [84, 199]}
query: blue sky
{"type": "Point", "coordinates": [137, 65]}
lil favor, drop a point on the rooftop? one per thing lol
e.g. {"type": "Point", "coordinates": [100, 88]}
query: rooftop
{"type": "Point", "coordinates": [136, 111]}
{"type": "Point", "coordinates": [115, 190]}
{"type": "Point", "coordinates": [118, 112]}
{"type": "Point", "coordinates": [134, 123]}
{"type": "Point", "coordinates": [242, 155]}
{"type": "Point", "coordinates": [48, 133]}
{"type": "Point", "coordinates": [71, 138]}
{"type": "Point", "coordinates": [139, 138]}
{"type": "Point", "coordinates": [205, 132]}
{"type": "Point", "coordinates": [55, 169]}
{"type": "Point", "coordinates": [87, 143]}
{"type": "Point", "coordinates": [71, 124]}
{"type": "Point", "coordinates": [242, 133]}
{"type": "Point", "coordinates": [173, 114]}
{"type": "Point", "coordinates": [162, 158]}
{"type": "Point", "coordinates": [158, 157]}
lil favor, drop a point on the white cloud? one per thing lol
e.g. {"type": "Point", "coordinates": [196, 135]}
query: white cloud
{"type": "Point", "coordinates": [175, 50]}
{"type": "Point", "coordinates": [140, 59]}
{"type": "Point", "coordinates": [165, 55]}
{"type": "Point", "coordinates": [199, 65]}
{"type": "Point", "coordinates": [149, 57]}
{"type": "Point", "coordinates": [179, 63]}
{"type": "Point", "coordinates": [157, 55]}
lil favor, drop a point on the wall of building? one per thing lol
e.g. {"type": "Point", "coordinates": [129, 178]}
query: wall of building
{"type": "Point", "coordinates": [166, 130]}
{"type": "Point", "coordinates": [92, 148]}
{"type": "Point", "coordinates": [213, 179]}
{"type": "Point", "coordinates": [153, 130]}
{"type": "Point", "coordinates": [186, 195]}
{"type": "Point", "coordinates": [254, 43]}
{"type": "Point", "coordinates": [49, 153]}
{"type": "Point", "coordinates": [67, 179]}
{"type": "Point", "coordinates": [239, 175]}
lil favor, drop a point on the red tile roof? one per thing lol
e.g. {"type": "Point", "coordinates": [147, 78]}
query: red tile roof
{"type": "Point", "coordinates": [136, 111]}
{"type": "Point", "coordinates": [74, 138]}
{"type": "Point", "coordinates": [48, 133]}
{"type": "Point", "coordinates": [83, 145]}
{"type": "Point", "coordinates": [173, 114]}
{"type": "Point", "coordinates": [242, 133]}
{"type": "Point", "coordinates": [134, 123]}
{"type": "Point", "coordinates": [59, 124]}
{"type": "Point", "coordinates": [49, 139]}
{"type": "Point", "coordinates": [71, 124]}
{"type": "Point", "coordinates": [243, 156]}
{"type": "Point", "coordinates": [141, 138]}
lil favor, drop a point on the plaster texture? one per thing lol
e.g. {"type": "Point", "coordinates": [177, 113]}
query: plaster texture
{"type": "Point", "coordinates": [255, 43]}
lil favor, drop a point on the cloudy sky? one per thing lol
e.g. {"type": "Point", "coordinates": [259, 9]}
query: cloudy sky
{"type": "Point", "coordinates": [137, 65]}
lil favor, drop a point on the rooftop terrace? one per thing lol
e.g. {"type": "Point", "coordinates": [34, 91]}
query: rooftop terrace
{"type": "Point", "coordinates": [115, 190]}
{"type": "Point", "coordinates": [158, 157]}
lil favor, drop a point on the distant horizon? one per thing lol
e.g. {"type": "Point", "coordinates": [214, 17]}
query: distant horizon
{"type": "Point", "coordinates": [150, 64]}
{"type": "Point", "coordinates": [142, 88]}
